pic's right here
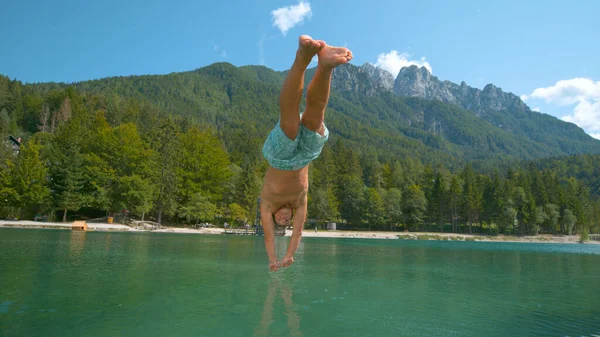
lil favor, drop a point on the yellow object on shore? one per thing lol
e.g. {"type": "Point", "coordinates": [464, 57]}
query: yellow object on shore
{"type": "Point", "coordinates": [110, 219]}
{"type": "Point", "coordinates": [79, 226]}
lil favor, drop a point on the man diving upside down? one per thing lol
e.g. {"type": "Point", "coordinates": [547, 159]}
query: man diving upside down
{"type": "Point", "coordinates": [296, 140]}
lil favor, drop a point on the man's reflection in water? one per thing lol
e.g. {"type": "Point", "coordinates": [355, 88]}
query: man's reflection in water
{"type": "Point", "coordinates": [277, 284]}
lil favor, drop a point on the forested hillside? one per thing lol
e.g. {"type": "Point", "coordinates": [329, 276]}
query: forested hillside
{"type": "Point", "coordinates": [185, 147]}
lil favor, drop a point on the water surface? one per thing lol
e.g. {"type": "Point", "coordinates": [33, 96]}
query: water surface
{"type": "Point", "coordinates": [62, 283]}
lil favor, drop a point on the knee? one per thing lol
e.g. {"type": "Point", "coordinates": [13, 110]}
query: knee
{"type": "Point", "coordinates": [313, 124]}
{"type": "Point", "coordinates": [290, 129]}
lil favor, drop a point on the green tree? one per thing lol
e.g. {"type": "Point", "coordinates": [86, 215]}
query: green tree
{"type": "Point", "coordinates": [322, 201]}
{"type": "Point", "coordinates": [8, 195]}
{"type": "Point", "coordinates": [237, 213]}
{"type": "Point", "coordinates": [247, 188]}
{"type": "Point", "coordinates": [29, 178]}
{"type": "Point", "coordinates": [132, 188]}
{"type": "Point", "coordinates": [204, 166]}
{"type": "Point", "coordinates": [493, 196]}
{"type": "Point", "coordinates": [163, 140]}
{"type": "Point", "coordinates": [508, 217]}
{"type": "Point", "coordinates": [472, 197]}
{"type": "Point", "coordinates": [67, 171]}
{"type": "Point", "coordinates": [552, 217]}
{"type": "Point", "coordinates": [322, 204]}
{"type": "Point", "coordinates": [414, 205]}
{"type": "Point", "coordinates": [198, 208]}
{"type": "Point", "coordinates": [351, 196]}
{"type": "Point", "coordinates": [373, 212]}
{"type": "Point", "coordinates": [437, 202]}
{"type": "Point", "coordinates": [4, 124]}
{"type": "Point", "coordinates": [135, 193]}
{"type": "Point", "coordinates": [568, 221]}
{"type": "Point", "coordinates": [539, 219]}
{"type": "Point", "coordinates": [392, 204]}
{"type": "Point", "coordinates": [455, 195]}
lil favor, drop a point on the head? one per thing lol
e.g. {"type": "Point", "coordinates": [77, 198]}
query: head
{"type": "Point", "coordinates": [283, 216]}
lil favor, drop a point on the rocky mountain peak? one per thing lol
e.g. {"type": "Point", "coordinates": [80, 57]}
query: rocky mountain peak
{"type": "Point", "coordinates": [382, 78]}
{"type": "Point", "coordinates": [366, 79]}
{"type": "Point", "coordinates": [419, 82]}
{"type": "Point", "coordinates": [414, 81]}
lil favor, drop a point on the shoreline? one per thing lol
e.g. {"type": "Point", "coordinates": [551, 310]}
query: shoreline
{"type": "Point", "coordinates": [416, 236]}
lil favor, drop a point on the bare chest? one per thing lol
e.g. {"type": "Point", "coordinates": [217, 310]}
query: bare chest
{"type": "Point", "coordinates": [284, 188]}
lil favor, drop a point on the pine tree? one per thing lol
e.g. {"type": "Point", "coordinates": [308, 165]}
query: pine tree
{"type": "Point", "coordinates": [455, 195]}
{"type": "Point", "coordinates": [350, 194]}
{"type": "Point", "coordinates": [67, 171]}
{"type": "Point", "coordinates": [163, 140]}
{"type": "Point", "coordinates": [29, 178]}
{"type": "Point", "coordinates": [392, 204]}
{"type": "Point", "coordinates": [4, 124]}
{"type": "Point", "coordinates": [373, 213]}
{"type": "Point", "coordinates": [322, 205]}
{"type": "Point", "coordinates": [414, 205]}
{"type": "Point", "coordinates": [437, 201]}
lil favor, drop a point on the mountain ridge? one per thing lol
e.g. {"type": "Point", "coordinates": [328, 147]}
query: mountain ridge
{"type": "Point", "coordinates": [364, 109]}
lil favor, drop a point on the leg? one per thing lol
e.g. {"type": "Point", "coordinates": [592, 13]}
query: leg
{"type": "Point", "coordinates": [318, 89]}
{"type": "Point", "coordinates": [291, 92]}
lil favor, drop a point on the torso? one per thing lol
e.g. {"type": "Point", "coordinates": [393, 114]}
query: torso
{"type": "Point", "coordinates": [282, 188]}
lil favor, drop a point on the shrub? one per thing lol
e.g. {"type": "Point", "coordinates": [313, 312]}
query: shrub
{"type": "Point", "coordinates": [584, 236]}
{"type": "Point", "coordinates": [534, 230]}
{"type": "Point", "coordinates": [494, 230]}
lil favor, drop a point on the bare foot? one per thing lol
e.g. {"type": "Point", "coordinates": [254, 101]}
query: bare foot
{"type": "Point", "coordinates": [308, 48]}
{"type": "Point", "coordinates": [331, 57]}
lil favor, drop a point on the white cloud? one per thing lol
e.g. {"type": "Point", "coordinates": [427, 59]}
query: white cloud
{"type": "Point", "coordinates": [286, 18]}
{"type": "Point", "coordinates": [584, 93]}
{"type": "Point", "coordinates": [394, 61]}
{"type": "Point", "coordinates": [524, 97]}
{"type": "Point", "coordinates": [586, 115]}
{"type": "Point", "coordinates": [567, 92]}
{"type": "Point", "coordinates": [536, 109]}
{"type": "Point", "coordinates": [219, 50]}
{"type": "Point", "coordinates": [595, 135]}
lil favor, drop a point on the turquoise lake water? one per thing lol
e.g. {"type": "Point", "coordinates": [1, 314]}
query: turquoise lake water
{"type": "Point", "coordinates": [62, 283]}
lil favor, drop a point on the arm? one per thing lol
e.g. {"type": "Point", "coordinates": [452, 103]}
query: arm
{"type": "Point", "coordinates": [298, 225]}
{"type": "Point", "coordinates": [266, 219]}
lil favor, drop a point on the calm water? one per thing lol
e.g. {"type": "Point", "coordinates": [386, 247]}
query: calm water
{"type": "Point", "coordinates": [59, 283]}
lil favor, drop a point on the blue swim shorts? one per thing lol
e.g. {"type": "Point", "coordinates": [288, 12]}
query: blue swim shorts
{"type": "Point", "coordinates": [285, 154]}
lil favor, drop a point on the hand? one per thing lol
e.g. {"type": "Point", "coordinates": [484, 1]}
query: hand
{"type": "Point", "coordinates": [287, 261]}
{"type": "Point", "coordinates": [274, 266]}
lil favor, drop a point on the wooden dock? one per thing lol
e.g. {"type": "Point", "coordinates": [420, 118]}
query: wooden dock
{"type": "Point", "coordinates": [256, 230]}
{"type": "Point", "coordinates": [240, 231]}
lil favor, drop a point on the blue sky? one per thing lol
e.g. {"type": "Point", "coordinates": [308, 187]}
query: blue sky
{"type": "Point", "coordinates": [546, 51]}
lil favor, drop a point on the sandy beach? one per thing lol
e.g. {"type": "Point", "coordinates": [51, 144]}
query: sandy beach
{"type": "Point", "coordinates": [106, 227]}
